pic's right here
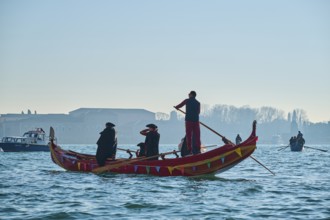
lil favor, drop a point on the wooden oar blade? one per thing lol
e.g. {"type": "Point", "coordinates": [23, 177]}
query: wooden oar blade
{"type": "Point", "coordinates": [283, 148]}
{"type": "Point", "coordinates": [316, 148]}
{"type": "Point", "coordinates": [103, 169]}
{"type": "Point", "coordinates": [262, 165]}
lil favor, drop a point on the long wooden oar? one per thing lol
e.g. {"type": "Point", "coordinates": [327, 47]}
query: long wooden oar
{"type": "Point", "coordinates": [228, 141]}
{"type": "Point", "coordinates": [262, 165]}
{"type": "Point", "coordinates": [117, 165]}
{"type": "Point", "coordinates": [224, 139]}
{"type": "Point", "coordinates": [213, 145]}
{"type": "Point", "coordinates": [118, 148]}
{"type": "Point", "coordinates": [283, 148]}
{"type": "Point", "coordinates": [128, 151]}
{"type": "Point", "coordinates": [316, 149]}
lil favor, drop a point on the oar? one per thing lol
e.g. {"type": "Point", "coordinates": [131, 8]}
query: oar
{"type": "Point", "coordinates": [227, 140]}
{"type": "Point", "coordinates": [224, 139]}
{"type": "Point", "coordinates": [262, 165]}
{"type": "Point", "coordinates": [213, 145]}
{"type": "Point", "coordinates": [117, 165]}
{"type": "Point", "coordinates": [128, 151]}
{"type": "Point", "coordinates": [204, 148]}
{"type": "Point", "coordinates": [283, 148]}
{"type": "Point", "coordinates": [316, 149]}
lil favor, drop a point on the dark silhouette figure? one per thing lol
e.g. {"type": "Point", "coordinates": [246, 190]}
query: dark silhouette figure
{"type": "Point", "coordinates": [184, 149]}
{"type": "Point", "coordinates": [151, 142]}
{"type": "Point", "coordinates": [292, 140]}
{"type": "Point", "coordinates": [238, 139]}
{"type": "Point", "coordinates": [141, 151]}
{"type": "Point", "coordinates": [106, 144]}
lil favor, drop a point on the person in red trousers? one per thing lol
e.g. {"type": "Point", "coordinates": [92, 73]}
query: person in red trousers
{"type": "Point", "coordinates": [193, 107]}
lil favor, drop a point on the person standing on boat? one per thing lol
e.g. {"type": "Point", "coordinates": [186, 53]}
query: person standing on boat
{"type": "Point", "coordinates": [238, 139]}
{"type": "Point", "coordinates": [106, 144]}
{"type": "Point", "coordinates": [300, 138]}
{"type": "Point", "coordinates": [151, 142]}
{"type": "Point", "coordinates": [192, 122]}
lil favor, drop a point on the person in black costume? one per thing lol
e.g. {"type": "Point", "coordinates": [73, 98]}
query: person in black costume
{"type": "Point", "coordinates": [141, 151]}
{"type": "Point", "coordinates": [184, 148]}
{"type": "Point", "coordinates": [152, 141]}
{"type": "Point", "coordinates": [292, 140]}
{"type": "Point", "coordinates": [106, 144]}
{"type": "Point", "coordinates": [300, 138]}
{"type": "Point", "coordinates": [238, 139]}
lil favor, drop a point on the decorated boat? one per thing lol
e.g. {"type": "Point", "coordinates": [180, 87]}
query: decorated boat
{"type": "Point", "coordinates": [211, 162]}
{"type": "Point", "coordinates": [33, 140]}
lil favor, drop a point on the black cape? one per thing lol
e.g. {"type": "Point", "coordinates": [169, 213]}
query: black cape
{"type": "Point", "coordinates": [152, 144]}
{"type": "Point", "coordinates": [106, 145]}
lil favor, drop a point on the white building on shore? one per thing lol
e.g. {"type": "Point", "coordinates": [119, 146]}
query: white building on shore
{"type": "Point", "coordinates": [81, 126]}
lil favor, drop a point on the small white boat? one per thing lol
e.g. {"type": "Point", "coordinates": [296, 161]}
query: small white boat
{"type": "Point", "coordinates": [34, 140]}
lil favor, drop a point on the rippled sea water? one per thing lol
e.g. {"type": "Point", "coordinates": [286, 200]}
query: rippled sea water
{"type": "Point", "coordinates": [33, 187]}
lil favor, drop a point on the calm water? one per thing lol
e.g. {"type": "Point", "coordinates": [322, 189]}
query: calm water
{"type": "Point", "coordinates": [32, 187]}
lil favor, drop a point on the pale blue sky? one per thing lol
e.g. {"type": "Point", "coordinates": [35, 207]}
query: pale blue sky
{"type": "Point", "coordinates": [56, 56]}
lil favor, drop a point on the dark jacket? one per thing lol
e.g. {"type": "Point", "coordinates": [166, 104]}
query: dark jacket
{"type": "Point", "coordinates": [141, 151]}
{"type": "Point", "coordinates": [238, 139]}
{"type": "Point", "coordinates": [152, 144]}
{"type": "Point", "coordinates": [107, 145]}
{"type": "Point", "coordinates": [193, 108]}
{"type": "Point", "coordinates": [184, 149]}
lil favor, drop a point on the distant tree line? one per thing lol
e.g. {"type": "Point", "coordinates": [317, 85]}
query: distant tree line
{"type": "Point", "coordinates": [230, 120]}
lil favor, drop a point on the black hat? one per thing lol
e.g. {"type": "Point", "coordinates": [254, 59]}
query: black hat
{"type": "Point", "coordinates": [109, 124]}
{"type": "Point", "coordinates": [141, 144]}
{"type": "Point", "coordinates": [151, 126]}
{"type": "Point", "coordinates": [193, 93]}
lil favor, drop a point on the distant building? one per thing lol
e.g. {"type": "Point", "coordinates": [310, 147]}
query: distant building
{"type": "Point", "coordinates": [128, 123]}
{"type": "Point", "coordinates": [81, 126]}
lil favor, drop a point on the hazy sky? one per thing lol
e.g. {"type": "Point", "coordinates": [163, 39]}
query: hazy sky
{"type": "Point", "coordinates": [57, 56]}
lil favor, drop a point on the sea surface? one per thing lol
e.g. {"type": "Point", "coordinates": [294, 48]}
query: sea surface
{"type": "Point", "coordinates": [33, 187]}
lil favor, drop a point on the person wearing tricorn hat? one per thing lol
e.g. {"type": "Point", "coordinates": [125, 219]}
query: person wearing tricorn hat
{"type": "Point", "coordinates": [151, 141]}
{"type": "Point", "coordinates": [192, 122]}
{"type": "Point", "coordinates": [106, 144]}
